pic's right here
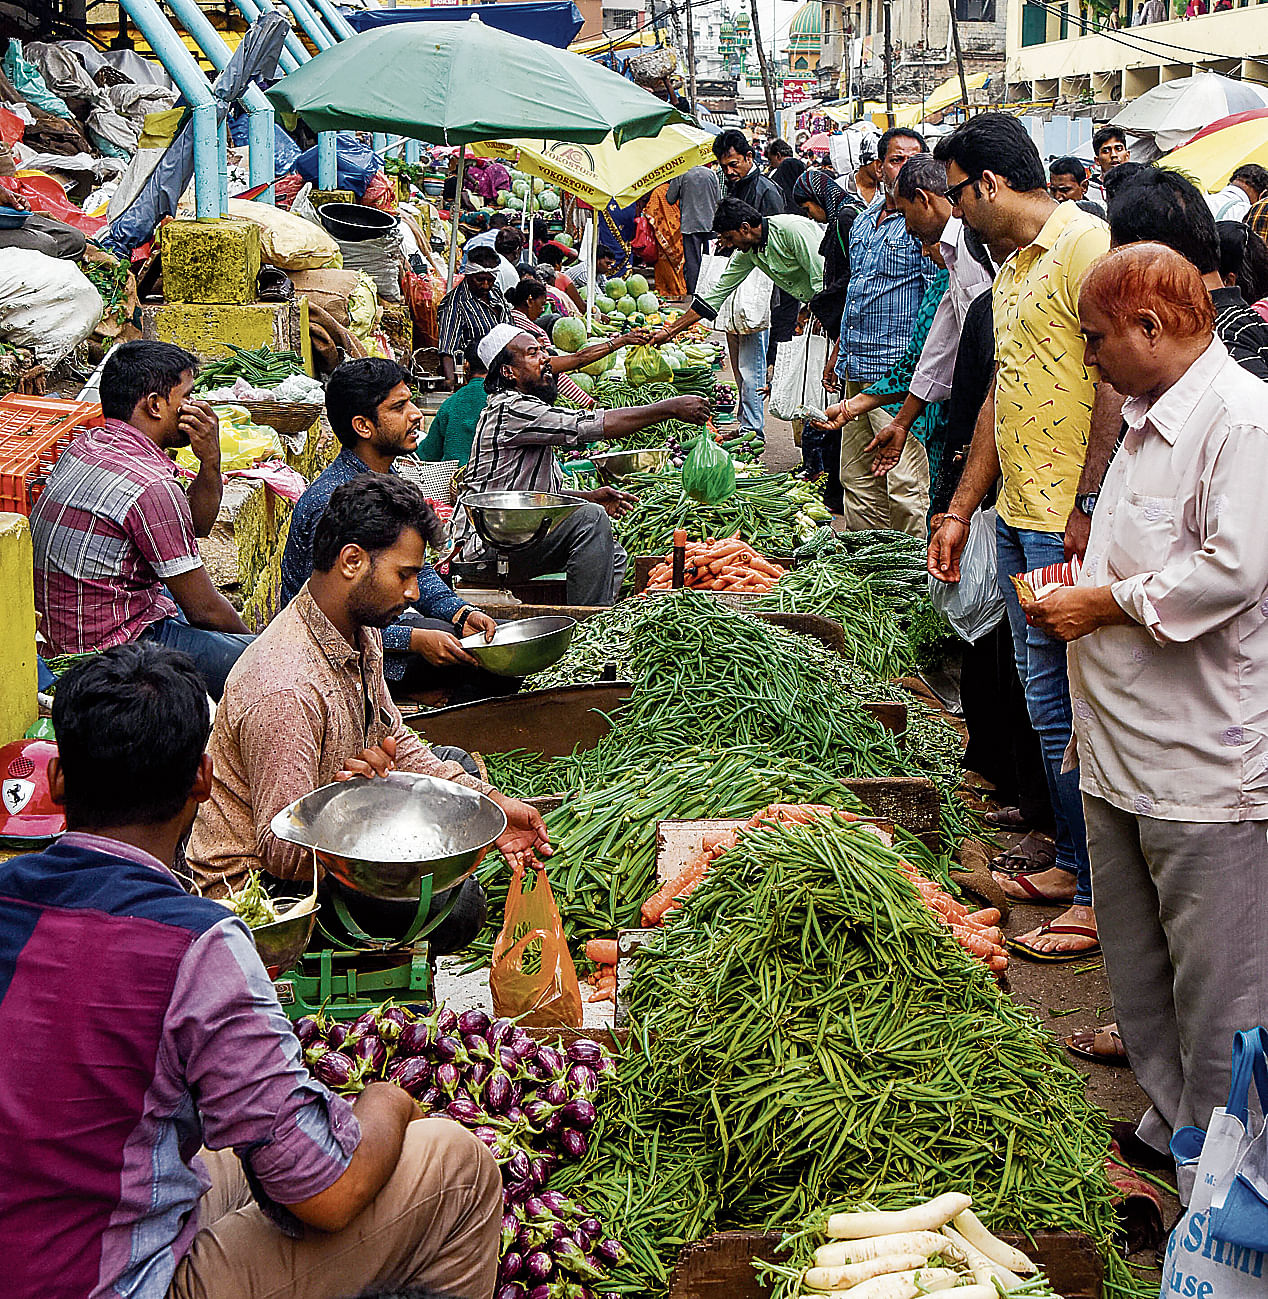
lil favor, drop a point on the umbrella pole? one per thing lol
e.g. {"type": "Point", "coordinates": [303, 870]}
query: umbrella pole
{"type": "Point", "coordinates": [457, 209]}
{"type": "Point", "coordinates": [592, 271]}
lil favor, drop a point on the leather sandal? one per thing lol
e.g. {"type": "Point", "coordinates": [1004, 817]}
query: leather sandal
{"type": "Point", "coordinates": [1106, 1048]}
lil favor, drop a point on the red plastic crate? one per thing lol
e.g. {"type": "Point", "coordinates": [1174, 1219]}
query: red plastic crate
{"type": "Point", "coordinates": [34, 431]}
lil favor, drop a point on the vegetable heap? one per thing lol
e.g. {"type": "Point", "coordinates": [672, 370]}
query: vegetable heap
{"type": "Point", "coordinates": [807, 1031]}
{"type": "Point", "coordinates": [251, 903]}
{"type": "Point", "coordinates": [260, 366]}
{"type": "Point", "coordinates": [903, 1253]}
{"type": "Point", "coordinates": [771, 512]}
{"type": "Point", "coordinates": [726, 565]}
{"type": "Point", "coordinates": [532, 1105]}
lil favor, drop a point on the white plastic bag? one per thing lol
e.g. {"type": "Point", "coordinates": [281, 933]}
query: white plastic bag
{"type": "Point", "coordinates": [1212, 1250]}
{"type": "Point", "coordinates": [974, 605]}
{"type": "Point", "coordinates": [747, 310]}
{"type": "Point", "coordinates": [797, 388]}
{"type": "Point", "coordinates": [46, 304]}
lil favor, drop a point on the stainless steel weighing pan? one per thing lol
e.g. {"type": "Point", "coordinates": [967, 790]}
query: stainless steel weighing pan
{"type": "Point", "coordinates": [521, 648]}
{"type": "Point", "coordinates": [509, 519]}
{"type": "Point", "coordinates": [382, 836]}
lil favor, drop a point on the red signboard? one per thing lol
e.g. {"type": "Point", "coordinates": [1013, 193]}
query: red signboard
{"type": "Point", "coordinates": [797, 89]}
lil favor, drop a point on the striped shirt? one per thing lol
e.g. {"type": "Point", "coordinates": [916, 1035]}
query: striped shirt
{"type": "Point", "coordinates": [139, 1025]}
{"type": "Point", "coordinates": [514, 451]}
{"type": "Point", "coordinates": [463, 318]}
{"type": "Point", "coordinates": [569, 390]}
{"type": "Point", "coordinates": [888, 279]}
{"type": "Point", "coordinates": [111, 526]}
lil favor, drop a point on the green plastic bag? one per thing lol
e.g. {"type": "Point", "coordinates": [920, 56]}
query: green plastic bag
{"type": "Point", "coordinates": [709, 473]}
{"type": "Point", "coordinates": [644, 364]}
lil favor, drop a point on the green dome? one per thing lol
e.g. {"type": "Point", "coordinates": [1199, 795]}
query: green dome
{"type": "Point", "coordinates": [805, 31]}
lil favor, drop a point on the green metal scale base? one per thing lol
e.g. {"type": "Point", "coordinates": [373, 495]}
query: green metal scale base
{"type": "Point", "coordinates": [355, 971]}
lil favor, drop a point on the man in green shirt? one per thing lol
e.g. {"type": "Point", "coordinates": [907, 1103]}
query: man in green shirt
{"type": "Point", "coordinates": [453, 427]}
{"type": "Point", "coordinates": [785, 247]}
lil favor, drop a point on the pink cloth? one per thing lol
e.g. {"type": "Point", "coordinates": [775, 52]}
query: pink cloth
{"type": "Point", "coordinates": [492, 179]}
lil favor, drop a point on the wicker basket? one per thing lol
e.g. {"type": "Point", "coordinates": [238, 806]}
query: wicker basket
{"type": "Point", "coordinates": [653, 66]}
{"type": "Point", "coordinates": [283, 416]}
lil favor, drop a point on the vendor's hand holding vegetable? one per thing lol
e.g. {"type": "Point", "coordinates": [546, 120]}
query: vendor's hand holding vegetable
{"type": "Point", "coordinates": [442, 648]}
{"type": "Point", "coordinates": [1073, 611]}
{"type": "Point", "coordinates": [691, 410]}
{"type": "Point", "coordinates": [525, 839]}
{"type": "Point", "coordinates": [11, 198]}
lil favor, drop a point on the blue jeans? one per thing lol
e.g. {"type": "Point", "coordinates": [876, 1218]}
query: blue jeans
{"type": "Point", "coordinates": [752, 379]}
{"type": "Point", "coordinates": [1041, 667]}
{"type": "Point", "coordinates": [214, 652]}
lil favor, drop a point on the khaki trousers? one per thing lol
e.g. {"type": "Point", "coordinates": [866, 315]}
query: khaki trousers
{"type": "Point", "coordinates": [899, 499]}
{"type": "Point", "coordinates": [435, 1224]}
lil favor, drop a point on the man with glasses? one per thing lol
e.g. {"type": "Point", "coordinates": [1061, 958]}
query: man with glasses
{"type": "Point", "coordinates": [1033, 436]}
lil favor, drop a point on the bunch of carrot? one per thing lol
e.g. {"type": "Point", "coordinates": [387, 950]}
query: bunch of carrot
{"type": "Point", "coordinates": [675, 891]}
{"type": "Point", "coordinates": [726, 565]}
{"type": "Point", "coordinates": [977, 932]}
{"type": "Point", "coordinates": [602, 952]}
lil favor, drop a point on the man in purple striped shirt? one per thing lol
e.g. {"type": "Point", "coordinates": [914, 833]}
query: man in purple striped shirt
{"type": "Point", "coordinates": [140, 1025]}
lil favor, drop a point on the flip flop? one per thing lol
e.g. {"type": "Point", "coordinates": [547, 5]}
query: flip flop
{"type": "Point", "coordinates": [1033, 954]}
{"type": "Point", "coordinates": [1035, 852]}
{"type": "Point", "coordinates": [1107, 1034]}
{"type": "Point", "coordinates": [1034, 895]}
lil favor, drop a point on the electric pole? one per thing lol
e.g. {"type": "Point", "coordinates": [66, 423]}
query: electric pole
{"type": "Point", "coordinates": [773, 125]}
{"type": "Point", "coordinates": [959, 57]}
{"type": "Point", "coordinates": [889, 67]}
{"type": "Point", "coordinates": [691, 60]}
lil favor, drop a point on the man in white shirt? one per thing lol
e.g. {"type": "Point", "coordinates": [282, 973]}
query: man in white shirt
{"type": "Point", "coordinates": [1247, 185]}
{"type": "Point", "coordinates": [1169, 684]}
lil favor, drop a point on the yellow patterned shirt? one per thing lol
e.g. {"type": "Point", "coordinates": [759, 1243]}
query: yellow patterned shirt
{"type": "Point", "coordinates": [1043, 391]}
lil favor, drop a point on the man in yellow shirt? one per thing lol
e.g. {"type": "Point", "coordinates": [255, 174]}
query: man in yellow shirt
{"type": "Point", "coordinates": [1032, 436]}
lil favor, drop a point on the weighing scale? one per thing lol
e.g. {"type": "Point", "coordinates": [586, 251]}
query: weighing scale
{"type": "Point", "coordinates": [389, 845]}
{"type": "Point", "coordinates": [510, 522]}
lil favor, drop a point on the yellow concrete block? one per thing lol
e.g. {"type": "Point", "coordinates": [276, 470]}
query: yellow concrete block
{"type": "Point", "coordinates": [18, 707]}
{"type": "Point", "coordinates": [211, 261]}
{"type": "Point", "coordinates": [208, 328]}
{"type": "Point", "coordinates": [319, 196]}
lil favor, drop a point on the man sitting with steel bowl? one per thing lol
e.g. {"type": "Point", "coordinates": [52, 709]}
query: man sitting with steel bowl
{"type": "Point", "coordinates": [310, 706]}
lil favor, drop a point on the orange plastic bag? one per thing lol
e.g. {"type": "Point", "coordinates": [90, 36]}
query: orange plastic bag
{"type": "Point", "coordinates": [533, 979]}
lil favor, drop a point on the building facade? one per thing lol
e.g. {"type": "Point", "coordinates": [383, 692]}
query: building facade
{"type": "Point", "coordinates": [1059, 50]}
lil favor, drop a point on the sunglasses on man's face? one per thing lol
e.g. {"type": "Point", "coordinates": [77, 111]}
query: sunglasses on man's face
{"type": "Point", "coordinates": [952, 195]}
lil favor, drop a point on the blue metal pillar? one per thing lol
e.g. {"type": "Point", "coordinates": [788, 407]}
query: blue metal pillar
{"type": "Point", "coordinates": [209, 160]}
{"type": "Point", "coordinates": [313, 26]}
{"type": "Point", "coordinates": [339, 26]}
{"type": "Point", "coordinates": [293, 54]}
{"type": "Point", "coordinates": [259, 110]}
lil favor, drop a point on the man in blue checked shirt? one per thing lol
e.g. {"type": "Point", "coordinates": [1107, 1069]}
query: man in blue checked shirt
{"type": "Point", "coordinates": [371, 409]}
{"type": "Point", "coordinates": [888, 279]}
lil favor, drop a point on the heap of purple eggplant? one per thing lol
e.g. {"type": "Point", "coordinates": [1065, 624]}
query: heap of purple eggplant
{"type": "Point", "coordinates": [533, 1105]}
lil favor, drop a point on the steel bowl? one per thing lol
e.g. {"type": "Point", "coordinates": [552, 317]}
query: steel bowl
{"type": "Point", "coordinates": [616, 465]}
{"type": "Point", "coordinates": [283, 942]}
{"type": "Point", "coordinates": [523, 647]}
{"type": "Point", "coordinates": [383, 836]}
{"type": "Point", "coordinates": [509, 519]}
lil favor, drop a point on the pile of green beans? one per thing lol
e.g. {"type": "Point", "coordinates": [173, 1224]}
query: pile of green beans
{"type": "Point", "coordinates": [604, 836]}
{"type": "Point", "coordinates": [762, 510]}
{"type": "Point", "coordinates": [807, 1032]}
{"type": "Point", "coordinates": [261, 366]}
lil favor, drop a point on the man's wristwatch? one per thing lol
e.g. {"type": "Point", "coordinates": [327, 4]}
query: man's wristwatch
{"type": "Point", "coordinates": [1085, 502]}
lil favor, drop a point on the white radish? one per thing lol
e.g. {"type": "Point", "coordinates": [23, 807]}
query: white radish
{"type": "Point", "coordinates": [929, 1216]}
{"type": "Point", "coordinates": [976, 1292]}
{"type": "Point", "coordinates": [983, 1268]}
{"type": "Point", "coordinates": [924, 1243]}
{"type": "Point", "coordinates": [971, 1228]}
{"type": "Point", "coordinates": [851, 1274]}
{"type": "Point", "coordinates": [905, 1285]}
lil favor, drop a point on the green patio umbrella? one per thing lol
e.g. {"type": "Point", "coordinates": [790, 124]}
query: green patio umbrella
{"type": "Point", "coordinates": [459, 83]}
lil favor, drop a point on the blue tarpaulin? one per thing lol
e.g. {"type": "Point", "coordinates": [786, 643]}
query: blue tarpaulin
{"type": "Point", "coordinates": [553, 22]}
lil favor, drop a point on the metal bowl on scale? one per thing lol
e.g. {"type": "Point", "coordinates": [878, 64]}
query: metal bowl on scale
{"type": "Point", "coordinates": [509, 520]}
{"type": "Point", "coordinates": [615, 465]}
{"type": "Point", "coordinates": [381, 837]}
{"type": "Point", "coordinates": [282, 942]}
